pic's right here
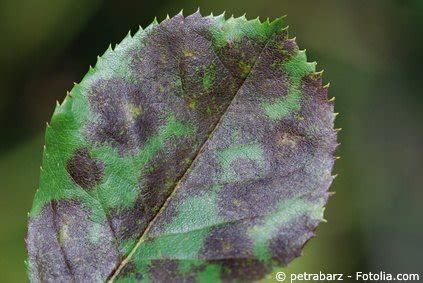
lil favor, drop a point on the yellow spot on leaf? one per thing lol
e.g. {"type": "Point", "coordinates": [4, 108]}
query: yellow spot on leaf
{"type": "Point", "coordinates": [244, 68]}
{"type": "Point", "coordinates": [135, 110]}
{"type": "Point", "coordinates": [188, 53]}
{"type": "Point", "coordinates": [287, 139]}
{"type": "Point", "coordinates": [192, 104]}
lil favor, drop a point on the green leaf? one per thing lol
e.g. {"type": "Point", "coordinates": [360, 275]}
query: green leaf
{"type": "Point", "coordinates": [198, 149]}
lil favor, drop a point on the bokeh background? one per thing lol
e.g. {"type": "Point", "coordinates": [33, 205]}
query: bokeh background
{"type": "Point", "coordinates": [371, 51]}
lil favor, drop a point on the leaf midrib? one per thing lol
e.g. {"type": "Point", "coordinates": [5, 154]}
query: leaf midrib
{"type": "Point", "coordinates": [123, 263]}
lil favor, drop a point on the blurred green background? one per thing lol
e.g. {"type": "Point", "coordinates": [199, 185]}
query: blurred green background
{"type": "Point", "coordinates": [371, 51]}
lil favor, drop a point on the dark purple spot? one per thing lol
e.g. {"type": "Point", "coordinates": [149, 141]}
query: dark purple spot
{"type": "Point", "coordinates": [85, 170]}
{"type": "Point", "coordinates": [168, 271]}
{"type": "Point", "coordinates": [227, 241]}
{"type": "Point", "coordinates": [61, 245]}
{"type": "Point", "coordinates": [242, 270]}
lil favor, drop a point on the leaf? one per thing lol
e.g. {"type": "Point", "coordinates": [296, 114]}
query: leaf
{"type": "Point", "coordinates": [200, 149]}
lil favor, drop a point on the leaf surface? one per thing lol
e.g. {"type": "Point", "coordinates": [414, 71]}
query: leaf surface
{"type": "Point", "coordinates": [199, 149]}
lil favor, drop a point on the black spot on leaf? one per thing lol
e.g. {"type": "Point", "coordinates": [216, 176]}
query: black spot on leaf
{"type": "Point", "coordinates": [64, 237]}
{"type": "Point", "coordinates": [227, 241]}
{"type": "Point", "coordinates": [124, 120]}
{"type": "Point", "coordinates": [85, 170]}
{"type": "Point", "coordinates": [168, 271]}
{"type": "Point", "coordinates": [242, 270]}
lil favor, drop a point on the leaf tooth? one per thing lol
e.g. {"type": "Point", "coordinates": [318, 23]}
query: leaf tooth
{"type": "Point", "coordinates": [320, 73]}
{"type": "Point", "coordinates": [198, 11]}
{"type": "Point", "coordinates": [318, 76]}
{"type": "Point", "coordinates": [257, 20]}
{"type": "Point", "coordinates": [334, 176]}
{"type": "Point", "coordinates": [56, 109]}
{"type": "Point", "coordinates": [152, 24]}
{"type": "Point", "coordinates": [314, 63]}
{"type": "Point", "coordinates": [221, 16]}
{"type": "Point", "coordinates": [336, 114]}
{"type": "Point", "coordinates": [240, 18]}
{"type": "Point", "coordinates": [337, 129]}
{"type": "Point", "coordinates": [106, 53]}
{"type": "Point", "coordinates": [291, 40]}
{"type": "Point", "coordinates": [337, 157]}
{"type": "Point", "coordinates": [283, 31]}
{"type": "Point", "coordinates": [278, 20]}
{"type": "Point", "coordinates": [124, 41]}
{"type": "Point", "coordinates": [177, 15]}
{"type": "Point", "coordinates": [331, 99]}
{"type": "Point", "coordinates": [58, 105]}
